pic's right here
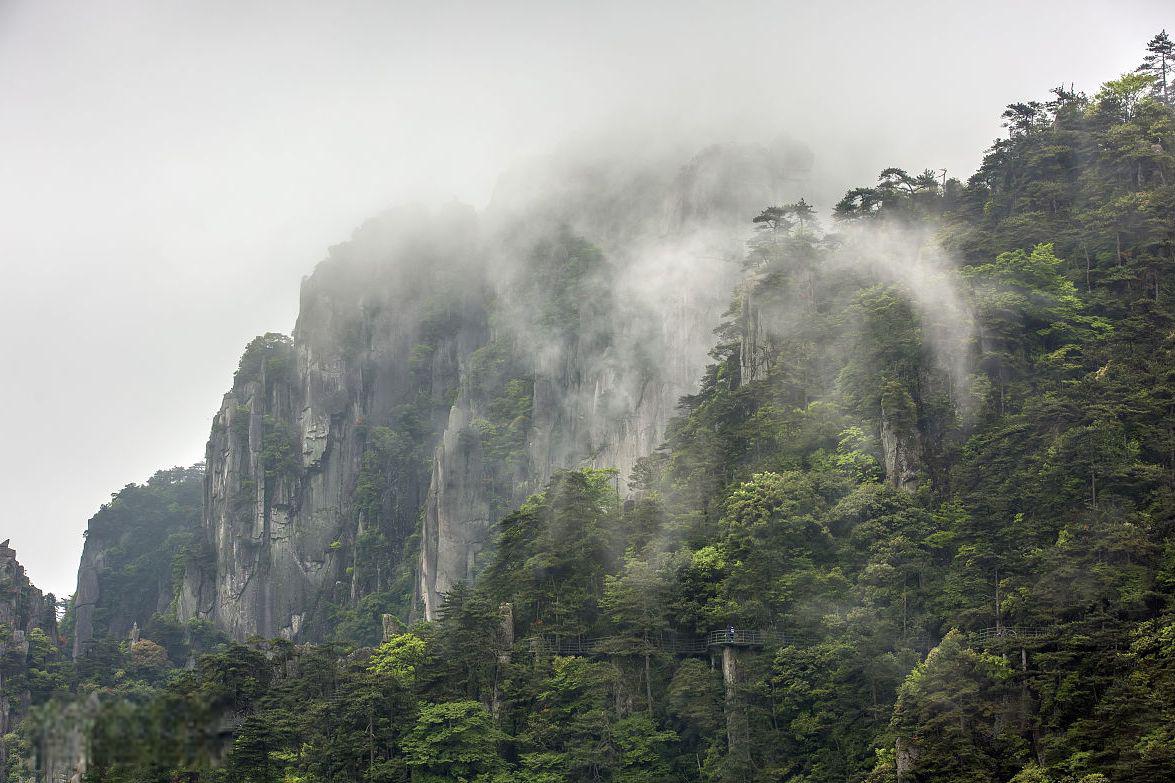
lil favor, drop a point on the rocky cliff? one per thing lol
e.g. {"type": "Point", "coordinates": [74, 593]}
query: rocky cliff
{"type": "Point", "coordinates": [444, 365]}
{"type": "Point", "coordinates": [28, 626]}
{"type": "Point", "coordinates": [23, 606]}
{"type": "Point", "coordinates": [352, 403]}
{"type": "Point", "coordinates": [126, 577]}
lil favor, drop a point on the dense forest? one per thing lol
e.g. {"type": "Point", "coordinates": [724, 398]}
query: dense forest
{"type": "Point", "coordinates": [916, 524]}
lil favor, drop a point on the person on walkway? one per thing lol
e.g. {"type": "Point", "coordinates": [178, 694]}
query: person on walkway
{"type": "Point", "coordinates": [730, 635]}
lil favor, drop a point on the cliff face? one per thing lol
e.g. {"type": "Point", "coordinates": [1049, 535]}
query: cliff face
{"type": "Point", "coordinates": [602, 382]}
{"type": "Point", "coordinates": [125, 576]}
{"type": "Point", "coordinates": [442, 368]}
{"type": "Point", "coordinates": [28, 621]}
{"type": "Point", "coordinates": [382, 325]}
{"type": "Point", "coordinates": [92, 563]}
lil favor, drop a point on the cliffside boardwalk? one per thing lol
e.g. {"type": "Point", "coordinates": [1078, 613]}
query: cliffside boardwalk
{"type": "Point", "coordinates": [686, 646]}
{"type": "Point", "coordinates": [757, 639]}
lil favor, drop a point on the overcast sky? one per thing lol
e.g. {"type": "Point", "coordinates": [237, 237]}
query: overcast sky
{"type": "Point", "coordinates": [170, 170]}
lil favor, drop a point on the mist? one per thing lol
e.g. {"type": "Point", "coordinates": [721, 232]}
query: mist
{"type": "Point", "coordinates": [170, 171]}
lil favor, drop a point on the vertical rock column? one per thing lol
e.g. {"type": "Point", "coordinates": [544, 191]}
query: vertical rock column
{"type": "Point", "coordinates": [900, 439]}
{"type": "Point", "coordinates": [23, 610]}
{"type": "Point", "coordinates": [738, 749]}
{"type": "Point", "coordinates": [456, 514]}
{"type": "Point", "coordinates": [905, 757]}
{"type": "Point", "coordinates": [505, 644]}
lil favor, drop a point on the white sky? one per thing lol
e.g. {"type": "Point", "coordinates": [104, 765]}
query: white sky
{"type": "Point", "coordinates": [170, 170]}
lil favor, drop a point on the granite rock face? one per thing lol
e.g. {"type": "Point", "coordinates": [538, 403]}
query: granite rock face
{"type": "Point", "coordinates": [24, 611]}
{"type": "Point", "coordinates": [605, 380]}
{"type": "Point", "coordinates": [117, 587]}
{"type": "Point", "coordinates": [92, 563]}
{"type": "Point", "coordinates": [23, 606]}
{"type": "Point", "coordinates": [900, 442]}
{"type": "Point", "coordinates": [382, 325]}
{"type": "Point", "coordinates": [444, 365]}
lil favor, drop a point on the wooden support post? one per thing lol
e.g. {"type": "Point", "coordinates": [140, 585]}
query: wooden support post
{"type": "Point", "coordinates": [738, 748]}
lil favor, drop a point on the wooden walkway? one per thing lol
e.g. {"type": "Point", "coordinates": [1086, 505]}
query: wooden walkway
{"type": "Point", "coordinates": [754, 638]}
{"type": "Point", "coordinates": [685, 645]}
{"type": "Point", "coordinates": [987, 637]}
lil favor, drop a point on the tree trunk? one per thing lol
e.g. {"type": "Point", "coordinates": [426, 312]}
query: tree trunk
{"type": "Point", "coordinates": [1088, 266]}
{"type": "Point", "coordinates": [648, 683]}
{"type": "Point", "coordinates": [998, 621]}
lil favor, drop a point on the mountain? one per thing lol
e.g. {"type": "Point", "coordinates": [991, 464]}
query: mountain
{"type": "Point", "coordinates": [126, 578]}
{"type": "Point", "coordinates": [650, 474]}
{"type": "Point", "coordinates": [442, 366]}
{"type": "Point", "coordinates": [30, 661]}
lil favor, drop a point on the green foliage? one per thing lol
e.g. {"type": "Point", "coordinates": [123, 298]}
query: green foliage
{"type": "Point", "coordinates": [143, 533]}
{"type": "Point", "coordinates": [566, 276]}
{"type": "Point", "coordinates": [507, 424]}
{"type": "Point", "coordinates": [269, 357]}
{"type": "Point", "coordinates": [398, 657]}
{"type": "Point", "coordinates": [280, 454]}
{"type": "Point", "coordinates": [771, 529]}
{"type": "Point", "coordinates": [569, 726]}
{"type": "Point", "coordinates": [386, 503]}
{"type": "Point", "coordinates": [554, 552]}
{"type": "Point", "coordinates": [1030, 314]}
{"type": "Point", "coordinates": [453, 741]}
{"type": "Point", "coordinates": [1159, 65]}
{"type": "Point", "coordinates": [949, 713]}
{"type": "Point", "coordinates": [889, 355]}
{"type": "Point", "coordinates": [1005, 614]}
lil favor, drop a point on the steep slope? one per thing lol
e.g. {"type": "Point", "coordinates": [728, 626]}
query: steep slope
{"type": "Point", "coordinates": [369, 375]}
{"type": "Point", "coordinates": [442, 366]}
{"type": "Point", "coordinates": [916, 524]}
{"type": "Point", "coordinates": [28, 648]}
{"type": "Point", "coordinates": [127, 571]}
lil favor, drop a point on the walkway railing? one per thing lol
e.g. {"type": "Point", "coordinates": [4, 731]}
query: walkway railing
{"type": "Point", "coordinates": [677, 644]}
{"type": "Point", "coordinates": [740, 637]}
{"type": "Point", "coordinates": [685, 645]}
{"type": "Point", "coordinates": [988, 636]}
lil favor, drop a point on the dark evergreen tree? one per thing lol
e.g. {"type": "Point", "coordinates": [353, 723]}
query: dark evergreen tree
{"type": "Point", "coordinates": [1159, 64]}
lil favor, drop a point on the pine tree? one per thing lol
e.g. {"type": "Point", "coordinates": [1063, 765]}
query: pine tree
{"type": "Point", "coordinates": [1160, 64]}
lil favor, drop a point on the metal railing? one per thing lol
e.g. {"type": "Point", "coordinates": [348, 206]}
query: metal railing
{"type": "Point", "coordinates": [610, 645]}
{"type": "Point", "coordinates": [686, 645]}
{"type": "Point", "coordinates": [740, 637]}
{"type": "Point", "coordinates": [1010, 634]}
